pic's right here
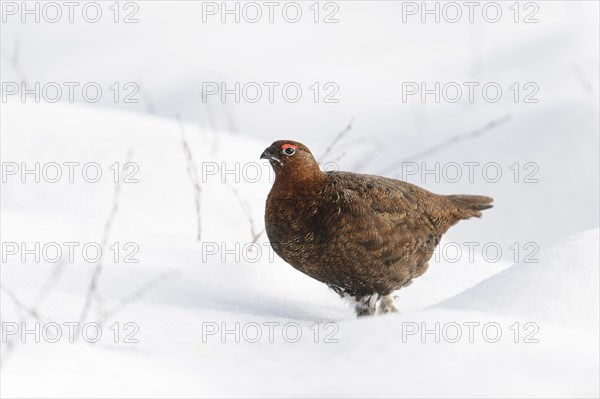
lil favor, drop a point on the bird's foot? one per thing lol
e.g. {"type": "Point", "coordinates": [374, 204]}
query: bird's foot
{"type": "Point", "coordinates": [387, 304]}
{"type": "Point", "coordinates": [366, 305]}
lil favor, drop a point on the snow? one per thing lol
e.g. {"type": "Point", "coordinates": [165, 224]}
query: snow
{"type": "Point", "coordinates": [553, 301]}
{"type": "Point", "coordinates": [568, 272]}
{"type": "Point", "coordinates": [187, 299]}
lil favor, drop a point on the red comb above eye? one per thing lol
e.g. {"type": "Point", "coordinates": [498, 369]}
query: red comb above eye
{"type": "Point", "coordinates": [283, 147]}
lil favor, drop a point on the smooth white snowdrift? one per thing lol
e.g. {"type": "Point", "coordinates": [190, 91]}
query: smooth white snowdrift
{"type": "Point", "coordinates": [562, 288]}
{"type": "Point", "coordinates": [532, 334]}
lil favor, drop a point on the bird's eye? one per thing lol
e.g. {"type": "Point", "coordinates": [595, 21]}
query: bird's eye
{"type": "Point", "coordinates": [289, 151]}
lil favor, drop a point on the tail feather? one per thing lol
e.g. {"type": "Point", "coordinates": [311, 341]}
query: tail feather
{"type": "Point", "coordinates": [471, 205]}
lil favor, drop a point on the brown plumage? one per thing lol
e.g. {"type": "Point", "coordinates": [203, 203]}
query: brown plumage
{"type": "Point", "coordinates": [364, 236]}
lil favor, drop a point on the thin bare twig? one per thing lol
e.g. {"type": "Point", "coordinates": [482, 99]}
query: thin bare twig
{"type": "Point", "coordinates": [192, 172]}
{"type": "Point", "coordinates": [14, 61]}
{"type": "Point", "coordinates": [93, 286]}
{"type": "Point", "coordinates": [586, 84]}
{"type": "Point", "coordinates": [33, 310]}
{"type": "Point", "coordinates": [137, 294]}
{"type": "Point", "coordinates": [9, 347]}
{"type": "Point", "coordinates": [339, 157]}
{"type": "Point", "coordinates": [19, 304]}
{"type": "Point", "coordinates": [336, 139]}
{"type": "Point", "coordinates": [447, 143]}
{"type": "Point", "coordinates": [49, 284]}
{"type": "Point", "coordinates": [147, 97]}
{"type": "Point", "coordinates": [248, 212]}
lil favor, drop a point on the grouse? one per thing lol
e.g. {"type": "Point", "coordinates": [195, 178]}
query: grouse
{"type": "Point", "coordinates": [364, 236]}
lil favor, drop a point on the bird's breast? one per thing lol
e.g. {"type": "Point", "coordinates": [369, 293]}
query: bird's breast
{"type": "Point", "coordinates": [294, 227]}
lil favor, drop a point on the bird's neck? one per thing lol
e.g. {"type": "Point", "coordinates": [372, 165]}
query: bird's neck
{"type": "Point", "coordinates": [287, 181]}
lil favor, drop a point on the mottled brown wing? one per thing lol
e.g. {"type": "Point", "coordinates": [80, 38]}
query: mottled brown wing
{"type": "Point", "coordinates": [398, 224]}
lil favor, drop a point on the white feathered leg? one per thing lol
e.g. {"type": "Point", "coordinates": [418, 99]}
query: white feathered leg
{"type": "Point", "coordinates": [366, 305]}
{"type": "Point", "coordinates": [387, 304]}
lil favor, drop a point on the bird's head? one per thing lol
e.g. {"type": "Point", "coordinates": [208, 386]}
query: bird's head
{"type": "Point", "coordinates": [291, 158]}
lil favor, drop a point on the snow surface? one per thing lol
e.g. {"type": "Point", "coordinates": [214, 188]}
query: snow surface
{"type": "Point", "coordinates": [554, 301]}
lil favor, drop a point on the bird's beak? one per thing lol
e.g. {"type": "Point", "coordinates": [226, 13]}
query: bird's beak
{"type": "Point", "coordinates": [266, 154]}
{"type": "Point", "coordinates": [272, 158]}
